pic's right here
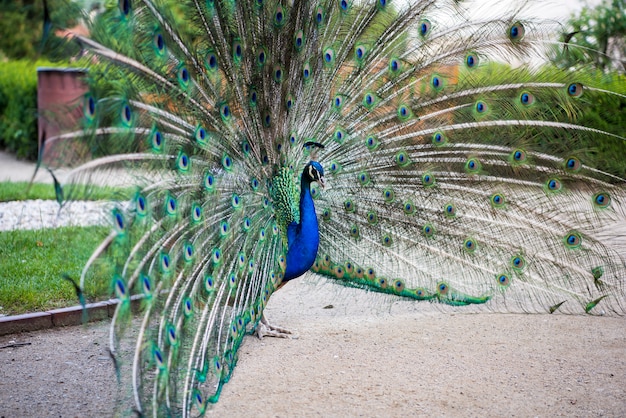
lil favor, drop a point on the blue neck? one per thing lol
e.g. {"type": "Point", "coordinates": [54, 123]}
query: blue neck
{"type": "Point", "coordinates": [304, 237]}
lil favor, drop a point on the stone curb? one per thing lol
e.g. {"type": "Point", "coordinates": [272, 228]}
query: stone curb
{"type": "Point", "coordinates": [62, 317]}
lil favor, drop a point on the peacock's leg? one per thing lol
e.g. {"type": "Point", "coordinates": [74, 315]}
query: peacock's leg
{"type": "Point", "coordinates": [265, 329]}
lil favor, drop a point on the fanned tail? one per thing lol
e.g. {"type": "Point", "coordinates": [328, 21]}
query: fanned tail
{"type": "Point", "coordinates": [449, 178]}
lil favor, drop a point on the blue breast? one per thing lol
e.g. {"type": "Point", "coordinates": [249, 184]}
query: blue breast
{"type": "Point", "coordinates": [302, 239]}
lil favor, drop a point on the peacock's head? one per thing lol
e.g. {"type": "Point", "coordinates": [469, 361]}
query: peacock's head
{"type": "Point", "coordinates": [314, 172]}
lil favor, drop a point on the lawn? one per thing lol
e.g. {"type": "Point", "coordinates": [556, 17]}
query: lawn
{"type": "Point", "coordinates": [33, 262]}
{"type": "Point", "coordinates": [10, 191]}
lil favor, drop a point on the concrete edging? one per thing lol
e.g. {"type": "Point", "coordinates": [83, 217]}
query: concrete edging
{"type": "Point", "coordinates": [61, 317]}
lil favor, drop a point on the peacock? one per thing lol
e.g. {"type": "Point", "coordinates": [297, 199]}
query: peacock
{"type": "Point", "coordinates": [395, 147]}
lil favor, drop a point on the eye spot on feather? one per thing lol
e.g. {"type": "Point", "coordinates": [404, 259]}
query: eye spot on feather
{"type": "Point", "coordinates": [209, 284]}
{"type": "Point", "coordinates": [279, 17]}
{"type": "Point", "coordinates": [183, 162]}
{"type": "Point", "coordinates": [329, 57]}
{"type": "Point", "coordinates": [200, 135]}
{"type": "Point", "coordinates": [387, 240]}
{"type": "Point", "coordinates": [187, 308]}
{"type": "Point", "coordinates": [516, 32]}
{"type": "Point", "coordinates": [424, 27]}
{"type": "Point", "coordinates": [298, 40]}
{"type": "Point", "coordinates": [278, 74]}
{"type": "Point", "coordinates": [409, 208]}
{"type": "Point", "coordinates": [225, 112]}
{"type": "Point", "coordinates": [372, 218]}
{"type": "Point", "coordinates": [120, 288]}
{"type": "Point", "coordinates": [428, 180]}
{"type": "Point", "coordinates": [442, 289]}
{"type": "Point", "coordinates": [402, 159]}
{"type": "Point", "coordinates": [196, 213]}
{"type": "Point", "coordinates": [359, 52]}
{"type": "Point", "coordinates": [575, 89]}
{"type": "Point", "coordinates": [337, 102]}
{"type": "Point", "coordinates": [439, 139]}
{"type": "Point", "coordinates": [371, 143]}
{"type": "Point", "coordinates": [573, 240]}
{"type": "Point", "coordinates": [158, 357]}
{"type": "Point", "coordinates": [210, 61]}
{"type": "Point", "coordinates": [118, 218]}
{"type": "Point", "coordinates": [469, 245]}
{"type": "Point", "coordinates": [497, 200]}
{"type": "Point", "coordinates": [140, 201]}
{"type": "Point", "coordinates": [504, 280]}
{"type": "Point", "coordinates": [171, 206]}
{"type": "Point", "coordinates": [237, 51]}
{"type": "Point", "coordinates": [339, 272]}
{"type": "Point", "coordinates": [518, 263]}
{"type": "Point", "coordinates": [428, 230]}
{"type": "Point", "coordinates": [198, 401]}
{"type": "Point", "coordinates": [227, 163]}
{"type": "Point", "coordinates": [125, 7]}
{"type": "Point", "coordinates": [449, 210]}
{"type": "Point", "coordinates": [126, 114]}
{"type": "Point", "coordinates": [554, 185]}
{"type": "Point", "coordinates": [171, 334]}
{"type": "Point", "coordinates": [364, 178]}
{"type": "Point", "coordinates": [339, 135]}
{"type": "Point", "coordinates": [165, 263]}
{"type": "Point", "coordinates": [471, 60]}
{"type": "Point", "coordinates": [481, 107]}
{"type": "Point", "coordinates": [573, 165]}
{"type": "Point", "coordinates": [319, 15]}
{"type": "Point", "coordinates": [188, 252]}
{"type": "Point", "coordinates": [602, 200]}
{"type": "Point", "coordinates": [394, 66]}
{"type": "Point", "coordinates": [183, 76]}
{"type": "Point", "coordinates": [261, 58]}
{"type": "Point", "coordinates": [388, 195]}
{"type": "Point", "coordinates": [436, 83]}
{"type": "Point", "coordinates": [216, 257]}
{"type": "Point", "coordinates": [89, 107]}
{"type": "Point", "coordinates": [518, 156]}
{"type": "Point", "coordinates": [527, 98]}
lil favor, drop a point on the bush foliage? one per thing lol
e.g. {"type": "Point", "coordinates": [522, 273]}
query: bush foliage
{"type": "Point", "coordinates": [18, 107]}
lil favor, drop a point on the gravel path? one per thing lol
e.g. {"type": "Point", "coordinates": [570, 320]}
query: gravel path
{"type": "Point", "coordinates": [367, 356]}
{"type": "Point", "coordinates": [37, 214]}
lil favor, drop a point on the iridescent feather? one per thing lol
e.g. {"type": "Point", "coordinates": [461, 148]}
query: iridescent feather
{"type": "Point", "coordinates": [449, 178]}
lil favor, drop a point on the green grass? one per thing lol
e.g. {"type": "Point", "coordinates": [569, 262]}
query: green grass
{"type": "Point", "coordinates": [10, 191]}
{"type": "Point", "coordinates": [32, 263]}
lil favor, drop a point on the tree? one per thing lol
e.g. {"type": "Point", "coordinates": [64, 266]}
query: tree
{"type": "Point", "coordinates": [596, 37]}
{"type": "Point", "coordinates": [22, 22]}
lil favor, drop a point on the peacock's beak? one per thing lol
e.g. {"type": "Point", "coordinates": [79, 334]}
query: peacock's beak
{"type": "Point", "coordinates": [321, 182]}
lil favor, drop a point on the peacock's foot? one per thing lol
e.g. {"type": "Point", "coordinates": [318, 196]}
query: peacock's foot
{"type": "Point", "coordinates": [265, 329]}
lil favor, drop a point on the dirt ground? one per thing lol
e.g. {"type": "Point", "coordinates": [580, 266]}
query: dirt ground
{"type": "Point", "coordinates": [365, 356]}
